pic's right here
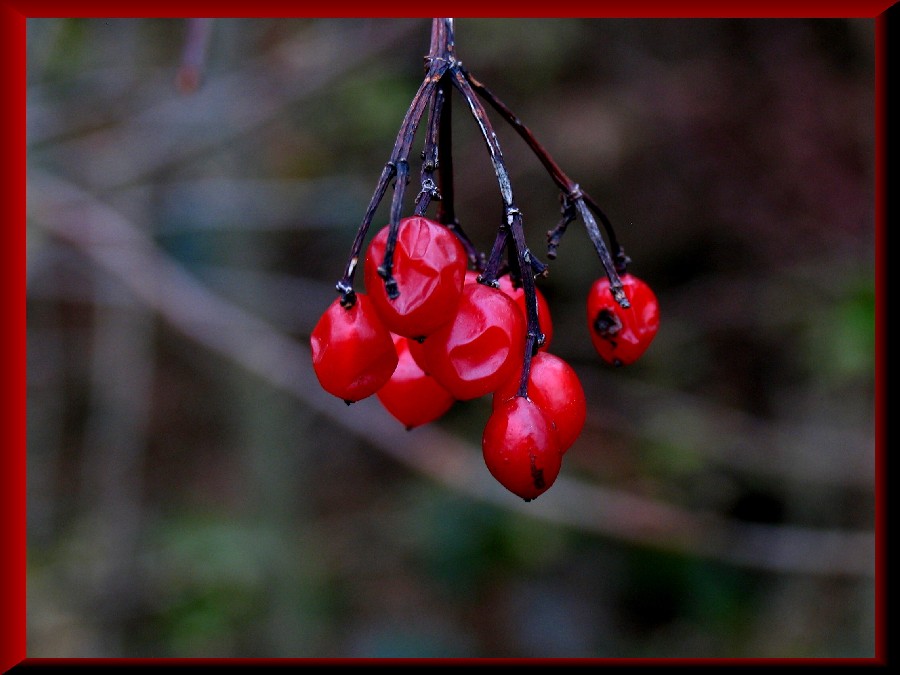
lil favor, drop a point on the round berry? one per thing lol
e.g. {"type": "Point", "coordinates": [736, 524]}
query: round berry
{"type": "Point", "coordinates": [429, 265]}
{"type": "Point", "coordinates": [481, 347]}
{"type": "Point", "coordinates": [553, 386]}
{"type": "Point", "coordinates": [520, 448]}
{"type": "Point", "coordinates": [619, 335]}
{"type": "Point", "coordinates": [518, 294]}
{"type": "Point", "coordinates": [417, 351]}
{"type": "Point", "coordinates": [411, 396]}
{"type": "Point", "coordinates": [352, 352]}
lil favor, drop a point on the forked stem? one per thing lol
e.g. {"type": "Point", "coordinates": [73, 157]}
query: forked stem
{"type": "Point", "coordinates": [442, 71]}
{"type": "Point", "coordinates": [438, 62]}
{"type": "Point", "coordinates": [572, 195]}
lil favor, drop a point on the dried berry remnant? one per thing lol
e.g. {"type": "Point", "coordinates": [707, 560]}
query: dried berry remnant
{"type": "Point", "coordinates": [607, 324]}
{"type": "Point", "coordinates": [621, 335]}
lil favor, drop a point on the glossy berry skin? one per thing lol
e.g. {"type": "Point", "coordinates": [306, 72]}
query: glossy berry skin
{"type": "Point", "coordinates": [352, 352]}
{"type": "Point", "coordinates": [520, 448]}
{"type": "Point", "coordinates": [429, 266]}
{"type": "Point", "coordinates": [481, 347]}
{"type": "Point", "coordinates": [518, 294]}
{"type": "Point", "coordinates": [553, 386]}
{"type": "Point", "coordinates": [411, 396]}
{"type": "Point", "coordinates": [417, 351]}
{"type": "Point", "coordinates": [621, 336]}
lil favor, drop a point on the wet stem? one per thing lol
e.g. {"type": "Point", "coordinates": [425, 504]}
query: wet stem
{"type": "Point", "coordinates": [443, 73]}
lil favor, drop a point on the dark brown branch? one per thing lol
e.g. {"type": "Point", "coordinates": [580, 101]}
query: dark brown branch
{"type": "Point", "coordinates": [615, 283]}
{"type": "Point", "coordinates": [446, 209]}
{"type": "Point", "coordinates": [345, 285]}
{"type": "Point", "coordinates": [571, 190]}
{"type": "Point", "coordinates": [554, 236]}
{"type": "Point", "coordinates": [399, 156]}
{"type": "Point", "coordinates": [430, 157]}
{"type": "Point", "coordinates": [384, 270]}
{"type": "Point", "coordinates": [512, 226]}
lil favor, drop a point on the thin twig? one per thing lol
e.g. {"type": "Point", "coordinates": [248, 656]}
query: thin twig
{"type": "Point", "coordinates": [397, 166]}
{"type": "Point", "coordinates": [512, 227]}
{"type": "Point", "coordinates": [430, 156]}
{"type": "Point", "coordinates": [151, 153]}
{"type": "Point", "coordinates": [572, 192]}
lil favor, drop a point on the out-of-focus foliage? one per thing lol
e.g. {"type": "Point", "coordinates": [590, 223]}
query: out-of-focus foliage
{"type": "Point", "coordinates": [191, 494]}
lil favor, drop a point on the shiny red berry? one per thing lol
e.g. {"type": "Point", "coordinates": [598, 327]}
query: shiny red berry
{"type": "Point", "coordinates": [619, 335]}
{"type": "Point", "coordinates": [352, 352]}
{"type": "Point", "coordinates": [518, 294]}
{"type": "Point", "coordinates": [411, 396]}
{"type": "Point", "coordinates": [553, 386]}
{"type": "Point", "coordinates": [417, 351]}
{"type": "Point", "coordinates": [481, 347]}
{"type": "Point", "coordinates": [520, 448]}
{"type": "Point", "coordinates": [429, 265]}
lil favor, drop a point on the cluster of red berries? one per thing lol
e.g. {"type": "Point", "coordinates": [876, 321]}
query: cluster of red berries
{"type": "Point", "coordinates": [450, 335]}
{"type": "Point", "coordinates": [441, 322]}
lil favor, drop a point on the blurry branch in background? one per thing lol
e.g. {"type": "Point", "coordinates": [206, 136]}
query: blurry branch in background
{"type": "Point", "coordinates": [807, 453]}
{"type": "Point", "coordinates": [174, 130]}
{"type": "Point", "coordinates": [193, 57]}
{"type": "Point", "coordinates": [108, 238]}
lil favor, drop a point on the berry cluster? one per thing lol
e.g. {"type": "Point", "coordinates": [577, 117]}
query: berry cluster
{"type": "Point", "coordinates": [441, 322]}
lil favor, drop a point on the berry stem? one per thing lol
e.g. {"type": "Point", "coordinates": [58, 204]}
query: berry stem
{"type": "Point", "coordinates": [437, 156]}
{"type": "Point", "coordinates": [438, 63]}
{"type": "Point", "coordinates": [461, 82]}
{"type": "Point", "coordinates": [384, 270]}
{"type": "Point", "coordinates": [572, 194]}
{"type": "Point", "coordinates": [345, 285]}
{"type": "Point", "coordinates": [492, 267]}
{"type": "Point", "coordinates": [512, 226]}
{"type": "Point", "coordinates": [446, 208]}
{"type": "Point", "coordinates": [534, 338]}
{"type": "Point", "coordinates": [615, 283]}
{"type": "Point", "coordinates": [567, 209]}
{"type": "Point", "coordinates": [430, 161]}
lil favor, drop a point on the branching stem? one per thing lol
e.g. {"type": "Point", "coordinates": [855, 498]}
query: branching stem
{"type": "Point", "coordinates": [438, 62]}
{"type": "Point", "coordinates": [443, 71]}
{"type": "Point", "coordinates": [512, 226]}
{"type": "Point", "coordinates": [572, 194]}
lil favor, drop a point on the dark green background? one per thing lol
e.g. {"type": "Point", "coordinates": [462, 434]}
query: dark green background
{"type": "Point", "coordinates": [191, 492]}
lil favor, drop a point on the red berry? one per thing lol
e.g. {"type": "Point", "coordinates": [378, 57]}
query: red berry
{"type": "Point", "coordinates": [411, 396]}
{"type": "Point", "coordinates": [429, 265]}
{"type": "Point", "coordinates": [352, 352]}
{"type": "Point", "coordinates": [553, 386]}
{"type": "Point", "coordinates": [619, 335]}
{"type": "Point", "coordinates": [518, 294]}
{"type": "Point", "coordinates": [417, 351]}
{"type": "Point", "coordinates": [520, 448]}
{"type": "Point", "coordinates": [481, 347]}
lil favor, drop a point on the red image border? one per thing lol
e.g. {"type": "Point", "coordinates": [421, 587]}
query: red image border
{"type": "Point", "coordinates": [13, 18]}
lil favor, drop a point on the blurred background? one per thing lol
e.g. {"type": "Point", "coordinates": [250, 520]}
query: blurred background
{"type": "Point", "coordinates": [193, 493]}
